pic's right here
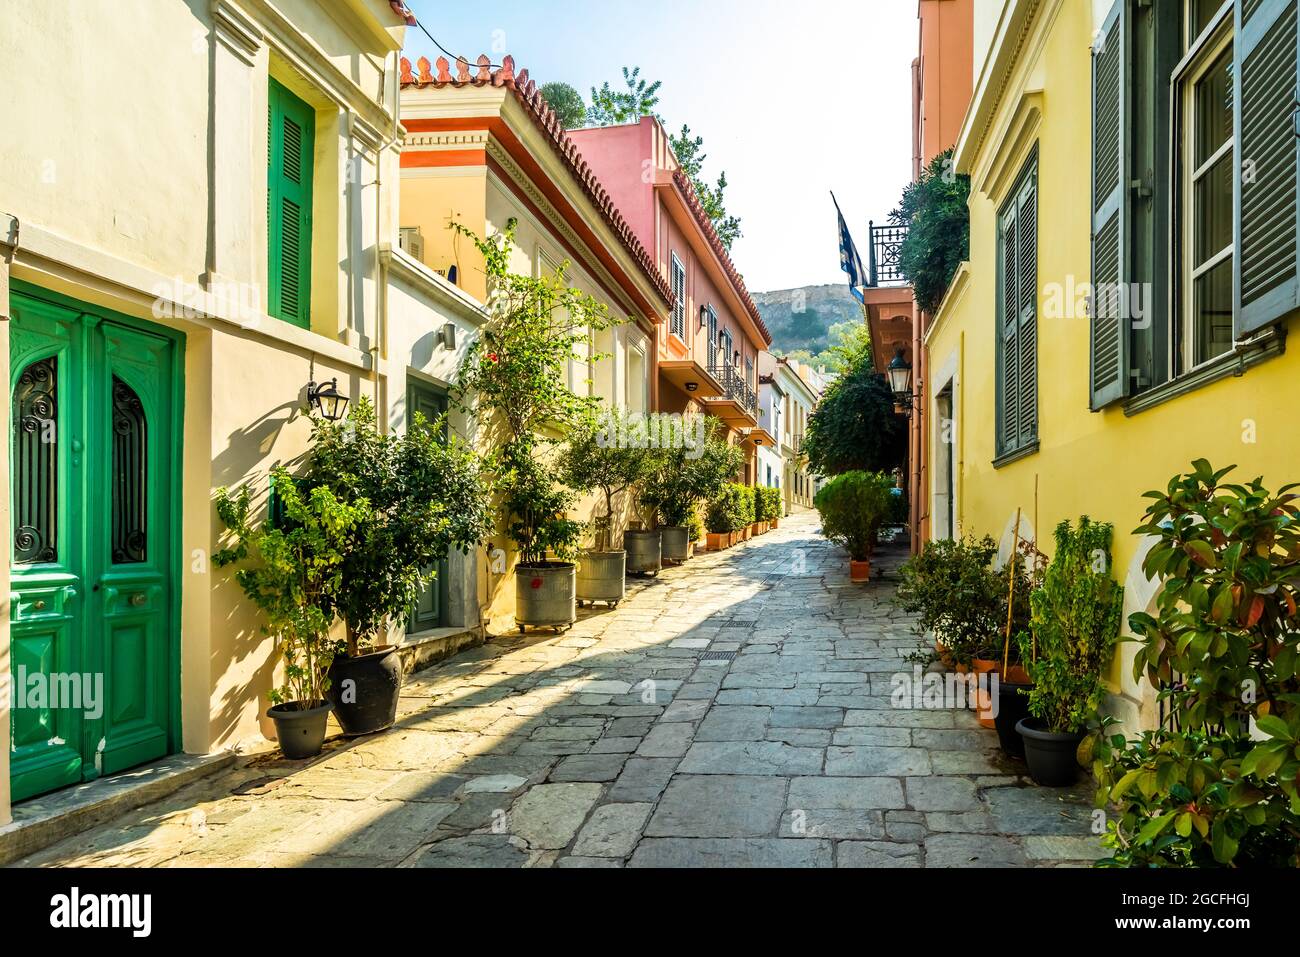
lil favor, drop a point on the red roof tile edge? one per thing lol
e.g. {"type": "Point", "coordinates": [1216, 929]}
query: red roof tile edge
{"type": "Point", "coordinates": [529, 96]}
{"type": "Point", "coordinates": [706, 225]}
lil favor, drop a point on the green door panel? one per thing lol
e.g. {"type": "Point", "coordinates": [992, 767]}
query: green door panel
{"type": "Point", "coordinates": [93, 445]}
{"type": "Point", "coordinates": [430, 609]}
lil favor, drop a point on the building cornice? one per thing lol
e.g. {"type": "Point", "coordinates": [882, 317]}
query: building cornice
{"type": "Point", "coordinates": [415, 273]}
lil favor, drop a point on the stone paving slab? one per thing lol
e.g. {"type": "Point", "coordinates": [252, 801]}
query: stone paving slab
{"type": "Point", "coordinates": [618, 744]}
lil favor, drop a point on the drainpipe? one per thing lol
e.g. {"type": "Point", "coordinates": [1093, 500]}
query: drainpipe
{"type": "Point", "coordinates": [8, 248]}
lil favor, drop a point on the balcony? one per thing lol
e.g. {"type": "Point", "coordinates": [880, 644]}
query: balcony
{"type": "Point", "coordinates": [885, 242]}
{"type": "Point", "coordinates": [737, 405]}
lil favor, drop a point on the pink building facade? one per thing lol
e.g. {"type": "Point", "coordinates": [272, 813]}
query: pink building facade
{"type": "Point", "coordinates": [708, 353]}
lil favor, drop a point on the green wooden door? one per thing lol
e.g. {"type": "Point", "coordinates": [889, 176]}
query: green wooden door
{"type": "Point", "coordinates": [430, 610]}
{"type": "Point", "coordinates": [92, 453]}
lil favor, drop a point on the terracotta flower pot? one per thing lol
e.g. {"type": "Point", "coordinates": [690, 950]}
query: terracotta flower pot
{"type": "Point", "coordinates": [859, 571]}
{"type": "Point", "coordinates": [717, 541]}
{"type": "Point", "coordinates": [983, 700]}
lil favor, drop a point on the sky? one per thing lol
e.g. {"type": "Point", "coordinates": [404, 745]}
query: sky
{"type": "Point", "coordinates": [793, 100]}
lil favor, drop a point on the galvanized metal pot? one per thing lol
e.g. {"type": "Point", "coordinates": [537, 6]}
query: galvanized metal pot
{"type": "Point", "coordinates": [676, 543]}
{"type": "Point", "coordinates": [602, 577]}
{"type": "Point", "coordinates": [546, 595]}
{"type": "Point", "coordinates": [644, 552]}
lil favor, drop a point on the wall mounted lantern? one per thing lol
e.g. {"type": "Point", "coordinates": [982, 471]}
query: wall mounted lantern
{"type": "Point", "coordinates": [900, 382]}
{"type": "Point", "coordinates": [326, 400]}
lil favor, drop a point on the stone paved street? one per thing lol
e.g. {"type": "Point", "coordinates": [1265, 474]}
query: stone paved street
{"type": "Point", "coordinates": [733, 712]}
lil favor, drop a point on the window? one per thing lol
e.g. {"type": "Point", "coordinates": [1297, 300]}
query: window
{"type": "Point", "coordinates": [713, 335]}
{"type": "Point", "coordinates": [1017, 316]}
{"type": "Point", "coordinates": [291, 137]}
{"type": "Point", "coordinates": [678, 327]}
{"type": "Point", "coordinates": [1212, 207]}
{"type": "Point", "coordinates": [1206, 166]}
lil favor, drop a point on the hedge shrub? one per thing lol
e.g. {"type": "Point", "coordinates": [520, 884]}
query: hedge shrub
{"type": "Point", "coordinates": [852, 506]}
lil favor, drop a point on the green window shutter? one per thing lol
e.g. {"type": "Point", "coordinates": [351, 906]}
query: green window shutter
{"type": "Point", "coordinates": [1008, 326]}
{"type": "Point", "coordinates": [1267, 230]}
{"type": "Point", "coordinates": [289, 193]}
{"type": "Point", "coordinates": [1108, 358]}
{"type": "Point", "coordinates": [1027, 309]}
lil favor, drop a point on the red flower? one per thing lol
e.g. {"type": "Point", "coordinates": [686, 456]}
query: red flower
{"type": "Point", "coordinates": [491, 357]}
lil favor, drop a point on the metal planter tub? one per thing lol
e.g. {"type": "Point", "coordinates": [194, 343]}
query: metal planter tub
{"type": "Point", "coordinates": [602, 577]}
{"type": "Point", "coordinates": [546, 595]}
{"type": "Point", "coordinates": [644, 552]}
{"type": "Point", "coordinates": [676, 543]}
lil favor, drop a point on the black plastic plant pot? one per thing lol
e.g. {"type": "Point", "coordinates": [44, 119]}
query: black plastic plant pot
{"type": "Point", "coordinates": [300, 728]}
{"type": "Point", "coordinates": [1050, 754]}
{"type": "Point", "coordinates": [364, 691]}
{"type": "Point", "coordinates": [1013, 705]}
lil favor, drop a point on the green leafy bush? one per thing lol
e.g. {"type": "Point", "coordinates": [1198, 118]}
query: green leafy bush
{"type": "Point", "coordinates": [769, 504]}
{"type": "Point", "coordinates": [731, 510]}
{"type": "Point", "coordinates": [934, 209]}
{"type": "Point", "coordinates": [590, 460]}
{"type": "Point", "coordinates": [1219, 783]}
{"type": "Point", "coordinates": [899, 512]}
{"type": "Point", "coordinates": [1074, 627]}
{"type": "Point", "coordinates": [296, 575]}
{"type": "Point", "coordinates": [953, 589]}
{"type": "Point", "coordinates": [852, 506]}
{"type": "Point", "coordinates": [427, 494]}
{"type": "Point", "coordinates": [678, 480]}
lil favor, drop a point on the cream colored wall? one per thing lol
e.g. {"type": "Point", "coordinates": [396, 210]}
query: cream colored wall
{"type": "Point", "coordinates": [134, 181]}
{"type": "Point", "coordinates": [430, 199]}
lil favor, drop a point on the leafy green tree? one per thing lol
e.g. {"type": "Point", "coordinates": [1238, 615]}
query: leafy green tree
{"type": "Point", "coordinates": [295, 577]}
{"type": "Point", "coordinates": [850, 346]}
{"type": "Point", "coordinates": [427, 494]}
{"type": "Point", "coordinates": [678, 480]}
{"type": "Point", "coordinates": [938, 239]}
{"type": "Point", "coordinates": [593, 458]}
{"type": "Point", "coordinates": [515, 377]}
{"type": "Point", "coordinates": [567, 104]}
{"type": "Point", "coordinates": [610, 107]}
{"type": "Point", "coordinates": [690, 153]}
{"type": "Point", "coordinates": [855, 427]}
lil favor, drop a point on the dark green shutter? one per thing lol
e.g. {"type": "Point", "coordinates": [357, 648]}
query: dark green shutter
{"type": "Point", "coordinates": [1027, 309]}
{"type": "Point", "coordinates": [1008, 325]}
{"type": "Point", "coordinates": [292, 137]}
{"type": "Point", "coordinates": [1267, 231]}
{"type": "Point", "coordinates": [1110, 175]}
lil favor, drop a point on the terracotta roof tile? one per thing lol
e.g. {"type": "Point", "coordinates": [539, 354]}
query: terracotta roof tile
{"type": "Point", "coordinates": [530, 98]}
{"type": "Point", "coordinates": [706, 225]}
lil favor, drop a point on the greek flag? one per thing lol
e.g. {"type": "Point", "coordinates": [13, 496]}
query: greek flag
{"type": "Point", "coordinates": [850, 261]}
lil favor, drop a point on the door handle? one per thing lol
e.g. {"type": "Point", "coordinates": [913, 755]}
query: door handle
{"type": "Point", "coordinates": [38, 605]}
{"type": "Point", "coordinates": [138, 599]}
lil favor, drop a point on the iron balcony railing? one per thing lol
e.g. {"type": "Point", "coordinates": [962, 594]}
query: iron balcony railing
{"type": "Point", "coordinates": [735, 387]}
{"type": "Point", "coordinates": [885, 243]}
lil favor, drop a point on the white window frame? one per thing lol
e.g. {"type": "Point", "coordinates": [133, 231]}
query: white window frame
{"type": "Point", "coordinates": [1203, 52]}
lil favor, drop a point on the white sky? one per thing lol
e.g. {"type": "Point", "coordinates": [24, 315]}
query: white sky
{"type": "Point", "coordinates": [792, 99]}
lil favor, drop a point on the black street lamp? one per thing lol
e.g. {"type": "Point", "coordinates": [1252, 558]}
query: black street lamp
{"type": "Point", "coordinates": [900, 382]}
{"type": "Point", "coordinates": [327, 400]}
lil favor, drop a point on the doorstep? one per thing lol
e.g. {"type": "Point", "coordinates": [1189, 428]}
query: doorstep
{"type": "Point", "coordinates": [42, 821]}
{"type": "Point", "coordinates": [425, 648]}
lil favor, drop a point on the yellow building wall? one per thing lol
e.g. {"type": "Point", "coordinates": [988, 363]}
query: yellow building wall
{"type": "Point", "coordinates": [1097, 464]}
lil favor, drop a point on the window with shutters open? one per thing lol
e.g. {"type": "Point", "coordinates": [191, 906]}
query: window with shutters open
{"type": "Point", "coordinates": [291, 139]}
{"type": "Point", "coordinates": [1017, 317]}
{"type": "Point", "coordinates": [679, 299]}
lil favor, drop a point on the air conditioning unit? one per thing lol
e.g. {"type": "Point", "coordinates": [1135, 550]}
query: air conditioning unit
{"type": "Point", "coordinates": [412, 242]}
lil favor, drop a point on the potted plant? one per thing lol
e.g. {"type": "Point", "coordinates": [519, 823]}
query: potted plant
{"type": "Point", "coordinates": [952, 588]}
{"type": "Point", "coordinates": [425, 495]}
{"type": "Point", "coordinates": [294, 577]}
{"type": "Point", "coordinates": [680, 478]}
{"type": "Point", "coordinates": [515, 380]}
{"type": "Point", "coordinates": [770, 506]}
{"type": "Point", "coordinates": [596, 458]}
{"type": "Point", "coordinates": [726, 516]}
{"type": "Point", "coordinates": [1217, 784]}
{"type": "Point", "coordinates": [852, 506]}
{"type": "Point", "coordinates": [547, 540]}
{"type": "Point", "coordinates": [1073, 630]}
